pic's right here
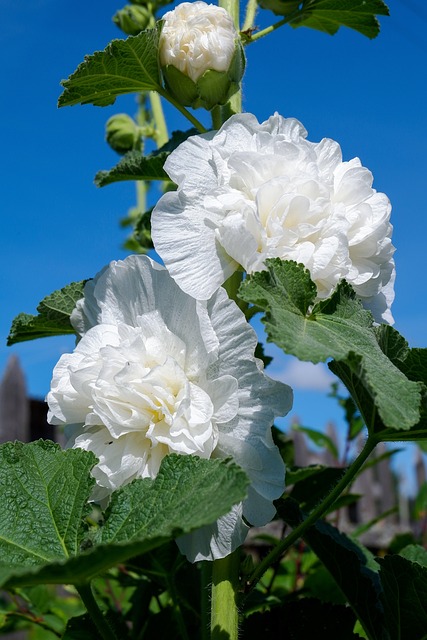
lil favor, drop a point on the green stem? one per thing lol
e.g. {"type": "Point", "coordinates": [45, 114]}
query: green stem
{"type": "Point", "coordinates": [251, 9]}
{"type": "Point", "coordinates": [183, 110]}
{"type": "Point", "coordinates": [205, 582]}
{"type": "Point", "coordinates": [234, 105]}
{"type": "Point", "coordinates": [159, 119]}
{"type": "Point", "coordinates": [216, 115]}
{"type": "Point", "coordinates": [177, 613]}
{"type": "Point", "coordinates": [232, 287]}
{"type": "Point", "coordinates": [233, 8]}
{"type": "Point", "coordinates": [315, 515]}
{"type": "Point", "coordinates": [266, 31]}
{"type": "Point", "coordinates": [224, 613]}
{"type": "Point", "coordinates": [101, 623]}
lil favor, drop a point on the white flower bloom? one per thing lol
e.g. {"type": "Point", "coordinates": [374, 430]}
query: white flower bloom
{"type": "Point", "coordinates": [196, 37]}
{"type": "Point", "coordinates": [157, 372]}
{"type": "Point", "coordinates": [255, 191]}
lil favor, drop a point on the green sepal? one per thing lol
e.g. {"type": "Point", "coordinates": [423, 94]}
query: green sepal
{"type": "Point", "coordinates": [180, 85]}
{"type": "Point", "coordinates": [213, 88]}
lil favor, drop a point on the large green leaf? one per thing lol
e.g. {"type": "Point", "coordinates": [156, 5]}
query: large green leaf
{"type": "Point", "coordinates": [338, 327]}
{"type": "Point", "coordinates": [125, 66]}
{"type": "Point", "coordinates": [352, 566]}
{"type": "Point", "coordinates": [44, 492]}
{"type": "Point", "coordinates": [53, 318]}
{"type": "Point", "coordinates": [411, 362]}
{"type": "Point", "coordinates": [312, 484]}
{"type": "Point", "coordinates": [404, 598]}
{"type": "Point", "coordinates": [330, 15]}
{"type": "Point", "coordinates": [135, 166]}
{"type": "Point", "coordinates": [43, 496]}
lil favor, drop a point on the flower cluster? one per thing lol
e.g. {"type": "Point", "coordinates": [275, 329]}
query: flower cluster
{"type": "Point", "coordinates": [165, 361]}
{"type": "Point", "coordinates": [254, 191]}
{"type": "Point", "coordinates": [157, 372]}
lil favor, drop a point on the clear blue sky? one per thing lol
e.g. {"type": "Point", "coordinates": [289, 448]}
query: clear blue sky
{"type": "Point", "coordinates": [58, 227]}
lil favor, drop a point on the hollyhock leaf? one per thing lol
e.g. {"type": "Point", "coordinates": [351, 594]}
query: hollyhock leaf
{"type": "Point", "coordinates": [124, 66]}
{"type": "Point", "coordinates": [53, 318]}
{"type": "Point", "coordinates": [187, 493]}
{"type": "Point", "coordinates": [411, 362]}
{"type": "Point", "coordinates": [338, 328]}
{"type": "Point", "coordinates": [44, 497]}
{"type": "Point", "coordinates": [352, 566]}
{"type": "Point", "coordinates": [134, 166]}
{"type": "Point", "coordinates": [415, 553]}
{"type": "Point", "coordinates": [309, 491]}
{"type": "Point", "coordinates": [404, 597]}
{"type": "Point", "coordinates": [330, 15]}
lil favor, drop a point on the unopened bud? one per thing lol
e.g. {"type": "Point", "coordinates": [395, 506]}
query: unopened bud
{"type": "Point", "coordinates": [134, 18]}
{"type": "Point", "coordinates": [122, 133]}
{"type": "Point", "coordinates": [201, 54]}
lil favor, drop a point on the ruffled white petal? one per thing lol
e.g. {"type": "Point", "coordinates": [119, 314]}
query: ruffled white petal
{"type": "Point", "coordinates": [256, 191]}
{"type": "Point", "coordinates": [156, 372]}
{"type": "Point", "coordinates": [196, 37]}
{"type": "Point", "coordinates": [217, 540]}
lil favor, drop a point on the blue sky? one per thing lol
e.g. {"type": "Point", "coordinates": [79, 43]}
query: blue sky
{"type": "Point", "coordinates": [58, 227]}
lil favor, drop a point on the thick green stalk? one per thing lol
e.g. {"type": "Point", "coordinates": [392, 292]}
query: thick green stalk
{"type": "Point", "coordinates": [251, 9]}
{"type": "Point", "coordinates": [315, 515]}
{"type": "Point", "coordinates": [205, 583]}
{"type": "Point", "coordinates": [216, 115]}
{"type": "Point", "coordinates": [101, 623]}
{"type": "Point", "coordinates": [234, 105]}
{"type": "Point", "coordinates": [267, 30]}
{"type": "Point", "coordinates": [232, 286]}
{"type": "Point", "coordinates": [159, 119]}
{"type": "Point", "coordinates": [225, 572]}
{"type": "Point", "coordinates": [225, 583]}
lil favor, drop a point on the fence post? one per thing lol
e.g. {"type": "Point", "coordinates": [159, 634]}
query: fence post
{"type": "Point", "coordinates": [14, 404]}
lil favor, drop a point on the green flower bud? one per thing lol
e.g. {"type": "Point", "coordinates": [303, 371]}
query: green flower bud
{"type": "Point", "coordinates": [134, 18]}
{"type": "Point", "coordinates": [122, 133]}
{"type": "Point", "coordinates": [201, 55]}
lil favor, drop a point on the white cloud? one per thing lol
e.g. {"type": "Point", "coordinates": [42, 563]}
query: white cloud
{"type": "Point", "coordinates": [304, 375]}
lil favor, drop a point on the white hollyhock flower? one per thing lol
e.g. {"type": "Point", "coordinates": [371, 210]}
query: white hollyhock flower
{"type": "Point", "coordinates": [196, 37]}
{"type": "Point", "coordinates": [200, 54]}
{"type": "Point", "coordinates": [157, 372]}
{"type": "Point", "coordinates": [255, 191]}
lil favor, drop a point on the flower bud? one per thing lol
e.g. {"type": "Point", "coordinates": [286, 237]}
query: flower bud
{"type": "Point", "coordinates": [134, 18]}
{"type": "Point", "coordinates": [201, 54]}
{"type": "Point", "coordinates": [122, 133]}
